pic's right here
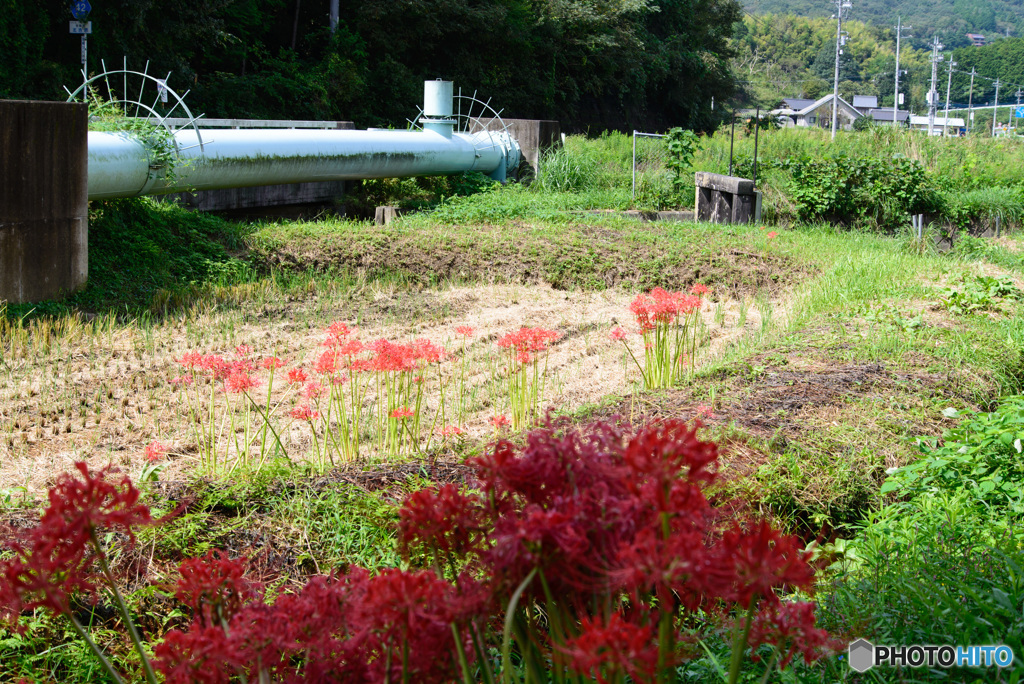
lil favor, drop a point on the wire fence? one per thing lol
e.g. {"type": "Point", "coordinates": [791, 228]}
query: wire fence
{"type": "Point", "coordinates": [650, 155]}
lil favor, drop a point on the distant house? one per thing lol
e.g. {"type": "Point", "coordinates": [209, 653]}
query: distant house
{"type": "Point", "coordinates": [864, 103]}
{"type": "Point", "coordinates": [954, 126]}
{"type": "Point", "coordinates": [796, 112]}
{"type": "Point", "coordinates": [795, 103]}
{"type": "Point", "coordinates": [977, 40]}
{"type": "Point", "coordinates": [885, 116]}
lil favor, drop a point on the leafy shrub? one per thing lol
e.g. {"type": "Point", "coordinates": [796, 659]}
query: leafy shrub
{"type": "Point", "coordinates": [857, 190]}
{"type": "Point", "coordinates": [981, 457]}
{"type": "Point", "coordinates": [682, 146]}
{"type": "Point", "coordinates": [935, 570]}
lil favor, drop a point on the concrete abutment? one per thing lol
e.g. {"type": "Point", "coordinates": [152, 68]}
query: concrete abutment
{"type": "Point", "coordinates": [44, 208]}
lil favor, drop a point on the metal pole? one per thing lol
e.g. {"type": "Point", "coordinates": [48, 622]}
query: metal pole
{"type": "Point", "coordinates": [757, 130]}
{"type": "Point", "coordinates": [949, 82]}
{"type": "Point", "coordinates": [334, 15]}
{"type": "Point", "coordinates": [634, 165]}
{"type": "Point", "coordinates": [85, 66]}
{"type": "Point", "coordinates": [995, 110]}
{"type": "Point", "coordinates": [896, 89]}
{"type": "Point", "coordinates": [732, 139]}
{"type": "Point", "coordinates": [970, 103]}
{"type": "Point", "coordinates": [933, 95]}
{"type": "Point", "coordinates": [835, 83]}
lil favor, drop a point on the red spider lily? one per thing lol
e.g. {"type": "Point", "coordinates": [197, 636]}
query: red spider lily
{"type": "Point", "coordinates": [756, 562]}
{"type": "Point", "coordinates": [155, 451]}
{"type": "Point", "coordinates": [350, 348]}
{"type": "Point", "coordinates": [237, 383]}
{"type": "Point", "coordinates": [312, 390]}
{"type": "Point", "coordinates": [529, 340]}
{"type": "Point", "coordinates": [54, 559]}
{"type": "Point", "coordinates": [661, 306]}
{"type": "Point", "coordinates": [272, 363]}
{"type": "Point", "coordinates": [618, 334]}
{"type": "Point", "coordinates": [214, 587]}
{"type": "Point", "coordinates": [444, 519]}
{"type": "Point", "coordinates": [391, 358]}
{"type": "Point", "coordinates": [613, 647]}
{"type": "Point", "coordinates": [499, 422]}
{"type": "Point", "coordinates": [789, 627]}
{"type": "Point", "coordinates": [395, 626]}
{"type": "Point", "coordinates": [699, 289]}
{"type": "Point", "coordinates": [216, 366]}
{"type": "Point", "coordinates": [705, 412]}
{"type": "Point", "coordinates": [772, 234]}
{"type": "Point", "coordinates": [297, 376]}
{"type": "Point", "coordinates": [328, 363]}
{"type": "Point", "coordinates": [243, 350]}
{"type": "Point", "coordinates": [428, 352]}
{"type": "Point", "coordinates": [192, 360]}
{"type": "Point", "coordinates": [402, 412]}
{"type": "Point", "coordinates": [451, 431]}
{"type": "Point", "coordinates": [464, 330]}
{"type": "Point", "coordinates": [304, 412]}
{"type": "Point", "coordinates": [337, 331]}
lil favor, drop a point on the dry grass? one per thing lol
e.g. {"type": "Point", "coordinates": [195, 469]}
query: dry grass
{"type": "Point", "coordinates": [100, 391]}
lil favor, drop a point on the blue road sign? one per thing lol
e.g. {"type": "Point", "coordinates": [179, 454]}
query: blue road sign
{"type": "Point", "coordinates": [80, 9]}
{"type": "Point", "coordinates": [1020, 112]}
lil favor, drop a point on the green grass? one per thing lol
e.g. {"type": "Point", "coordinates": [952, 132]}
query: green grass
{"type": "Point", "coordinates": [145, 256]}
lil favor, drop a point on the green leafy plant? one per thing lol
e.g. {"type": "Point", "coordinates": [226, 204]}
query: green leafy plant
{"type": "Point", "coordinates": [682, 146]}
{"type": "Point", "coordinates": [981, 456]}
{"type": "Point", "coordinates": [853, 190]}
{"type": "Point", "coordinates": [918, 572]}
{"type": "Point", "coordinates": [981, 293]}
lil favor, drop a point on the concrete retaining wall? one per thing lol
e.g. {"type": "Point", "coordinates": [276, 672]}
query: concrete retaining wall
{"type": "Point", "coordinates": [261, 196]}
{"type": "Point", "coordinates": [44, 207]}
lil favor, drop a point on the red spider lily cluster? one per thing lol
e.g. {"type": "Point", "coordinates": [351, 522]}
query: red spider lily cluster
{"type": "Point", "coordinates": [378, 398]}
{"type": "Point", "coordinates": [597, 548]}
{"type": "Point", "coordinates": [669, 323]}
{"type": "Point", "coordinates": [609, 534]}
{"type": "Point", "coordinates": [525, 349]}
{"type": "Point", "coordinates": [395, 626]}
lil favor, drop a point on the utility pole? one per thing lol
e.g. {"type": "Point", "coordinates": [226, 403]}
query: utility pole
{"type": "Point", "coordinates": [896, 91]}
{"type": "Point", "coordinates": [334, 15]}
{"type": "Point", "coordinates": [840, 6]}
{"type": "Point", "coordinates": [1019, 93]}
{"type": "Point", "coordinates": [949, 82]}
{"type": "Point", "coordinates": [933, 95]}
{"type": "Point", "coordinates": [970, 103]}
{"type": "Point", "coordinates": [995, 110]}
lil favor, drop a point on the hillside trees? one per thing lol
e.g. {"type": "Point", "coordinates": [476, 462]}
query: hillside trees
{"type": "Point", "coordinates": [589, 63]}
{"type": "Point", "coordinates": [788, 56]}
{"type": "Point", "coordinates": [1003, 59]}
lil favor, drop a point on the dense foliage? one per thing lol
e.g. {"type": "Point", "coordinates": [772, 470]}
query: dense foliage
{"type": "Point", "coordinates": [949, 19]}
{"type": "Point", "coordinates": [587, 64]}
{"type": "Point", "coordinates": [785, 55]}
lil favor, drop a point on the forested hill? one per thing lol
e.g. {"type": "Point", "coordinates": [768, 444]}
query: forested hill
{"type": "Point", "coordinates": [592, 64]}
{"type": "Point", "coordinates": [950, 20]}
